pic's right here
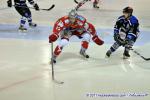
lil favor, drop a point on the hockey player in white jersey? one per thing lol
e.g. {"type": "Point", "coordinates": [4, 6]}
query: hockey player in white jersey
{"type": "Point", "coordinates": [126, 32]}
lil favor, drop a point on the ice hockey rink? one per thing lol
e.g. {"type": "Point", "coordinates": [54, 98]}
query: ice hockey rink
{"type": "Point", "coordinates": [25, 72]}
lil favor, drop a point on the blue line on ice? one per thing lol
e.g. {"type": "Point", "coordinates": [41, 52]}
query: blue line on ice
{"type": "Point", "coordinates": [42, 33]}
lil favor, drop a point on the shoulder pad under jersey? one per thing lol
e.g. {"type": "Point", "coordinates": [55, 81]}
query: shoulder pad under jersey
{"type": "Point", "coordinates": [121, 18]}
{"type": "Point", "coordinates": [133, 20]}
{"type": "Point", "coordinates": [64, 19]}
{"type": "Point", "coordinates": [81, 18]}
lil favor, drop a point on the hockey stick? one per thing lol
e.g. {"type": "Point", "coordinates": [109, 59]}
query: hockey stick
{"type": "Point", "coordinates": [76, 1]}
{"type": "Point", "coordinates": [52, 6]}
{"type": "Point", "coordinates": [49, 8]}
{"type": "Point", "coordinates": [52, 63]}
{"type": "Point", "coordinates": [147, 59]}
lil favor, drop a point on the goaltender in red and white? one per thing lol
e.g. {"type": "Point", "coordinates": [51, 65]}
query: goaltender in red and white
{"type": "Point", "coordinates": [73, 24]}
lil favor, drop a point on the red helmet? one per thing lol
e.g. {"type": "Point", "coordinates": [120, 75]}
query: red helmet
{"type": "Point", "coordinates": [128, 10]}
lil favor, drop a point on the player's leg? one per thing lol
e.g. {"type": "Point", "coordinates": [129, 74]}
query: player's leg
{"type": "Point", "coordinates": [131, 38]}
{"type": "Point", "coordinates": [112, 49]}
{"type": "Point", "coordinates": [84, 44]}
{"type": "Point", "coordinates": [81, 4]}
{"type": "Point", "coordinates": [28, 15]}
{"type": "Point", "coordinates": [29, 18]}
{"type": "Point", "coordinates": [65, 35]}
{"type": "Point", "coordinates": [95, 4]}
{"type": "Point", "coordinates": [119, 41]}
{"type": "Point", "coordinates": [63, 42]}
{"type": "Point", "coordinates": [20, 10]}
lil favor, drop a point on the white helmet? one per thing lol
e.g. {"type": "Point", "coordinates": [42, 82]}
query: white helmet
{"type": "Point", "coordinates": [72, 13]}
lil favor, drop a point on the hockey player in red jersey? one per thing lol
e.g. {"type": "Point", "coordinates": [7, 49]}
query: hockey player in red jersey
{"type": "Point", "coordinates": [95, 3]}
{"type": "Point", "coordinates": [73, 24]}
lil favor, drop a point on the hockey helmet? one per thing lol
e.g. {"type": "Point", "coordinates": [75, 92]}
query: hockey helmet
{"type": "Point", "coordinates": [72, 13]}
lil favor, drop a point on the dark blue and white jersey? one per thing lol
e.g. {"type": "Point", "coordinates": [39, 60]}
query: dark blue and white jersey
{"type": "Point", "coordinates": [22, 2]}
{"type": "Point", "coordinates": [128, 26]}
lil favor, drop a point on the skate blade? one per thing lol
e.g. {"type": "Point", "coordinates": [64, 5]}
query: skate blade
{"type": "Point", "coordinates": [85, 56]}
{"type": "Point", "coordinates": [33, 26]}
{"type": "Point", "coordinates": [107, 56]}
{"type": "Point", "coordinates": [125, 57]}
{"type": "Point", "coordinates": [23, 31]}
{"type": "Point", "coordinates": [52, 62]}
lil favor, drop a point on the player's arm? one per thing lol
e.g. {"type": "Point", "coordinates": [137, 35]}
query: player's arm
{"type": "Point", "coordinates": [117, 27]}
{"type": "Point", "coordinates": [35, 5]}
{"type": "Point", "coordinates": [136, 30]}
{"type": "Point", "coordinates": [91, 29]}
{"type": "Point", "coordinates": [133, 34]}
{"type": "Point", "coordinates": [58, 27]}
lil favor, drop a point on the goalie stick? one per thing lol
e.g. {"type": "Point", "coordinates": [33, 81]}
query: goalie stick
{"type": "Point", "coordinates": [52, 65]}
{"type": "Point", "coordinates": [147, 59]}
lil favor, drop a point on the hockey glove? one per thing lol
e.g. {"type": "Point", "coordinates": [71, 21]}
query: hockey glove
{"type": "Point", "coordinates": [9, 3]}
{"type": "Point", "coordinates": [97, 40]}
{"type": "Point", "coordinates": [36, 6]}
{"type": "Point", "coordinates": [118, 39]}
{"type": "Point", "coordinates": [53, 37]}
{"type": "Point", "coordinates": [128, 45]}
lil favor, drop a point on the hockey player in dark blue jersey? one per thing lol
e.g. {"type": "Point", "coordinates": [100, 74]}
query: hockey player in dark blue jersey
{"type": "Point", "coordinates": [24, 11]}
{"type": "Point", "coordinates": [126, 32]}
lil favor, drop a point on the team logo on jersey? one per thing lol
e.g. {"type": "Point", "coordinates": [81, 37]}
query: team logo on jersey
{"type": "Point", "coordinates": [80, 18]}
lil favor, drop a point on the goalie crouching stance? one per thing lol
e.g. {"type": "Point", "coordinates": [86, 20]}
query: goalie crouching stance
{"type": "Point", "coordinates": [126, 32]}
{"type": "Point", "coordinates": [73, 24]}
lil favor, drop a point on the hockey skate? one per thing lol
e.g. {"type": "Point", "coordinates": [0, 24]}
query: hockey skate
{"type": "Point", "coordinates": [82, 52]}
{"type": "Point", "coordinates": [95, 6]}
{"type": "Point", "coordinates": [108, 53]}
{"type": "Point", "coordinates": [22, 28]}
{"type": "Point", "coordinates": [53, 60]}
{"type": "Point", "coordinates": [32, 25]}
{"type": "Point", "coordinates": [126, 54]}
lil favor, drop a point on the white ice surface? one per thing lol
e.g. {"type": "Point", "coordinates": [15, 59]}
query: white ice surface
{"type": "Point", "coordinates": [25, 73]}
